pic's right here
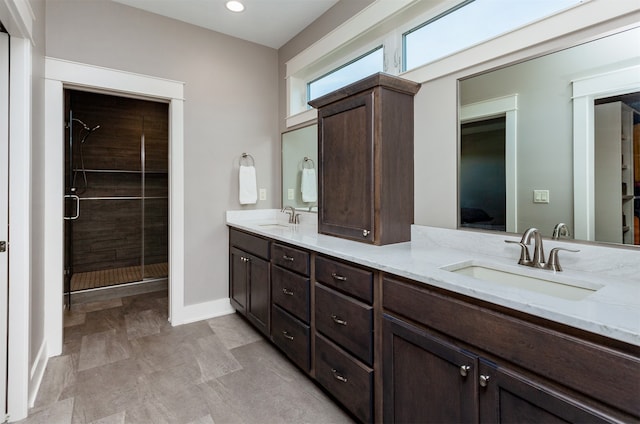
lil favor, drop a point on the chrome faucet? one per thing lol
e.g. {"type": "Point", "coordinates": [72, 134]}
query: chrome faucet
{"type": "Point", "coordinates": [538, 260]}
{"type": "Point", "coordinates": [560, 230]}
{"type": "Point", "coordinates": [538, 249]}
{"type": "Point", "coordinates": [294, 218]}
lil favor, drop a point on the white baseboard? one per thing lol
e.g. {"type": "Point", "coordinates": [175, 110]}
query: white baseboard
{"type": "Point", "coordinates": [37, 372]}
{"type": "Point", "coordinates": [202, 311]}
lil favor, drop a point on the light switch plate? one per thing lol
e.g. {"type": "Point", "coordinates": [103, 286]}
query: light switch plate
{"type": "Point", "coordinates": [290, 194]}
{"type": "Point", "coordinates": [263, 194]}
{"type": "Point", "coordinates": [540, 196]}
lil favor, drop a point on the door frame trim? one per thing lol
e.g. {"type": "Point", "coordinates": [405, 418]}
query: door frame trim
{"type": "Point", "coordinates": [61, 74]}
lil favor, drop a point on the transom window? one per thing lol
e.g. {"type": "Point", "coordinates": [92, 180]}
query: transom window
{"type": "Point", "coordinates": [361, 67]}
{"type": "Point", "coordinates": [472, 22]}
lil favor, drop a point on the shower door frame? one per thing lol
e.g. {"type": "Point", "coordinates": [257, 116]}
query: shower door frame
{"type": "Point", "coordinates": [61, 75]}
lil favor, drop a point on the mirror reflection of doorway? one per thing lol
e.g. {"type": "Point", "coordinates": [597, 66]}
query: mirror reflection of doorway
{"type": "Point", "coordinates": [617, 168]}
{"type": "Point", "coordinates": [483, 174]}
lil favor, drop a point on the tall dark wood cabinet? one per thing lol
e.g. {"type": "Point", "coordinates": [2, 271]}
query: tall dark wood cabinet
{"type": "Point", "coordinates": [365, 160]}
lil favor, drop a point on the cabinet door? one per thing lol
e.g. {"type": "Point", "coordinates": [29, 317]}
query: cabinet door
{"type": "Point", "coordinates": [238, 279]}
{"type": "Point", "coordinates": [259, 301]}
{"type": "Point", "coordinates": [345, 156]}
{"type": "Point", "coordinates": [425, 379]}
{"type": "Point", "coordinates": [508, 397]}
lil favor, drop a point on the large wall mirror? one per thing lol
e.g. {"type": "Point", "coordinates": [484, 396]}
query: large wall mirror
{"type": "Point", "coordinates": [299, 161]}
{"type": "Point", "coordinates": [555, 139]}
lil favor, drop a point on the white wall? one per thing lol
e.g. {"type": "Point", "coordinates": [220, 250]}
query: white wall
{"type": "Point", "coordinates": [231, 88]}
{"type": "Point", "coordinates": [36, 322]}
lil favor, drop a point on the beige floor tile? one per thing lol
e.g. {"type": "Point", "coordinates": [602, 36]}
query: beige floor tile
{"type": "Point", "coordinates": [123, 363]}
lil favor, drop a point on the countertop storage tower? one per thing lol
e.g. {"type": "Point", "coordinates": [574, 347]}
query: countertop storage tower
{"type": "Point", "coordinates": [365, 155]}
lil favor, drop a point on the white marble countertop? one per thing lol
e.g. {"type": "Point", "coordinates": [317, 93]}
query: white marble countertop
{"type": "Point", "coordinates": [612, 311]}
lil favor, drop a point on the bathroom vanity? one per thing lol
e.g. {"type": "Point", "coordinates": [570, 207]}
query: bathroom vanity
{"type": "Point", "coordinates": [395, 334]}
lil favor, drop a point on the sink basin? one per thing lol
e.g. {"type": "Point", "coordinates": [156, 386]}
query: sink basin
{"type": "Point", "coordinates": [273, 226]}
{"type": "Point", "coordinates": [532, 280]}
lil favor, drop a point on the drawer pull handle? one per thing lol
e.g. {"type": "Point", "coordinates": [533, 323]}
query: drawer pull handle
{"type": "Point", "coordinates": [287, 291]}
{"type": "Point", "coordinates": [338, 320]}
{"type": "Point", "coordinates": [243, 259]}
{"type": "Point", "coordinates": [338, 277]}
{"type": "Point", "coordinates": [338, 376]}
{"type": "Point", "coordinates": [365, 233]}
{"type": "Point", "coordinates": [286, 335]}
{"type": "Point", "coordinates": [484, 380]}
{"type": "Point", "coordinates": [287, 258]}
{"type": "Point", "coordinates": [464, 370]}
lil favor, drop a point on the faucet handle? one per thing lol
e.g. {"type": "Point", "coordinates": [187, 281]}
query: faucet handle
{"type": "Point", "coordinates": [525, 259]}
{"type": "Point", "coordinates": [553, 263]}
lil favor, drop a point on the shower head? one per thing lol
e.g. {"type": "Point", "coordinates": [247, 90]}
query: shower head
{"type": "Point", "coordinates": [85, 127]}
{"type": "Point", "coordinates": [89, 131]}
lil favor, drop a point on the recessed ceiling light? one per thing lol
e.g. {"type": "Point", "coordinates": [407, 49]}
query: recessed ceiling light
{"type": "Point", "coordinates": [235, 6]}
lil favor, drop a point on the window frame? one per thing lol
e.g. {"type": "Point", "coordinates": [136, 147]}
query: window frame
{"type": "Point", "coordinates": [384, 22]}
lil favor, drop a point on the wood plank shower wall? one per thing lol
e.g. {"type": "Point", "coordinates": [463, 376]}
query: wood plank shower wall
{"type": "Point", "coordinates": [109, 232]}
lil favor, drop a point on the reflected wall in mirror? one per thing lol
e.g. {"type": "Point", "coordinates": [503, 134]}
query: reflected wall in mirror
{"type": "Point", "coordinates": [299, 160]}
{"type": "Point", "coordinates": [532, 147]}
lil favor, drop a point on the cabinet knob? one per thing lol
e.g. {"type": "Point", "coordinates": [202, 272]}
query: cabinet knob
{"type": "Point", "coordinates": [338, 376]}
{"type": "Point", "coordinates": [287, 292]}
{"type": "Point", "coordinates": [286, 335]}
{"type": "Point", "coordinates": [338, 277]}
{"type": "Point", "coordinates": [287, 258]}
{"type": "Point", "coordinates": [338, 321]}
{"type": "Point", "coordinates": [464, 370]}
{"type": "Point", "coordinates": [484, 380]}
{"type": "Point", "coordinates": [365, 233]}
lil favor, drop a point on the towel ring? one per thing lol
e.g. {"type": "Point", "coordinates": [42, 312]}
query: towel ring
{"type": "Point", "coordinates": [248, 159]}
{"type": "Point", "coordinates": [309, 161]}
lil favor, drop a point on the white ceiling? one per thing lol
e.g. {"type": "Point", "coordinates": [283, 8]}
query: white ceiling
{"type": "Point", "coordinates": [268, 22]}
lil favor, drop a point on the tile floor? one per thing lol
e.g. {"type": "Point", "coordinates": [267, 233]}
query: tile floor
{"type": "Point", "coordinates": [122, 362]}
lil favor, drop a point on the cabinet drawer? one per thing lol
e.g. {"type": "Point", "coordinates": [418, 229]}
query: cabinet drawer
{"type": "Point", "coordinates": [291, 258]}
{"type": "Point", "coordinates": [346, 321]}
{"type": "Point", "coordinates": [291, 292]}
{"type": "Point", "coordinates": [346, 278]}
{"type": "Point", "coordinates": [249, 243]}
{"type": "Point", "coordinates": [292, 336]}
{"type": "Point", "coordinates": [347, 379]}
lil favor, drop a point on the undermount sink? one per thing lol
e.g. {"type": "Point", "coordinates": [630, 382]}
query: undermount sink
{"type": "Point", "coordinates": [535, 281]}
{"type": "Point", "coordinates": [273, 226]}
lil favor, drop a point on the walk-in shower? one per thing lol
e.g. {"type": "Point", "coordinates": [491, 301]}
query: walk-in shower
{"type": "Point", "coordinates": [116, 191]}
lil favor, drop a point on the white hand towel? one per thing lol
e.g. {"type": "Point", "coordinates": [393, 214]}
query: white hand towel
{"type": "Point", "coordinates": [309, 185]}
{"type": "Point", "coordinates": [248, 186]}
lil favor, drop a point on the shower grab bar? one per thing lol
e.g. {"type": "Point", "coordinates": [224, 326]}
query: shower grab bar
{"type": "Point", "coordinates": [77, 199]}
{"type": "Point", "coordinates": [248, 159]}
{"type": "Point", "coordinates": [306, 161]}
{"type": "Point", "coordinates": [125, 198]}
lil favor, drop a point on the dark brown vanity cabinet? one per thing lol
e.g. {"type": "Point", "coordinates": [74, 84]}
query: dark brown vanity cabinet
{"type": "Point", "coordinates": [344, 334]}
{"type": "Point", "coordinates": [447, 360]}
{"type": "Point", "coordinates": [249, 278]}
{"type": "Point", "coordinates": [365, 160]}
{"type": "Point", "coordinates": [291, 303]}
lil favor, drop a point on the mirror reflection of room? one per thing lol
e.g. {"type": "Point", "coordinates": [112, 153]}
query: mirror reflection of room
{"type": "Point", "coordinates": [299, 168]}
{"type": "Point", "coordinates": [542, 185]}
{"type": "Point", "coordinates": [617, 166]}
{"type": "Point", "coordinates": [482, 174]}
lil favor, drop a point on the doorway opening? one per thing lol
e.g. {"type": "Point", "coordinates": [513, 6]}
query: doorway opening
{"type": "Point", "coordinates": [483, 185]}
{"type": "Point", "coordinates": [116, 192]}
{"type": "Point", "coordinates": [617, 168]}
